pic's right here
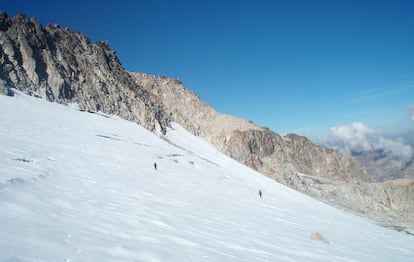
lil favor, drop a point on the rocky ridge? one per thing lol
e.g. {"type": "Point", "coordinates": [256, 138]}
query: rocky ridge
{"type": "Point", "coordinates": [63, 66]}
{"type": "Point", "coordinates": [255, 146]}
{"type": "Point", "coordinates": [330, 176]}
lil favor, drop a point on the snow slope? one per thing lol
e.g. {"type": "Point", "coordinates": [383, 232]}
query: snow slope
{"type": "Point", "coordinates": [76, 186]}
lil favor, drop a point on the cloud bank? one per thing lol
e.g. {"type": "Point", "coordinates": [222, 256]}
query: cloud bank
{"type": "Point", "coordinates": [357, 137]}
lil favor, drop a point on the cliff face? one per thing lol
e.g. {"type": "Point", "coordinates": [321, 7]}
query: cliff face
{"type": "Point", "coordinates": [64, 66]}
{"type": "Point", "coordinates": [273, 154]}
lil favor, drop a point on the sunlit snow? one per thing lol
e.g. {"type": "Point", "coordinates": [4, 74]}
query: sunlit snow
{"type": "Point", "coordinates": [76, 186]}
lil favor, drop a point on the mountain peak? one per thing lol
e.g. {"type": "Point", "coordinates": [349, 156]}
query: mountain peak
{"type": "Point", "coordinates": [63, 66]}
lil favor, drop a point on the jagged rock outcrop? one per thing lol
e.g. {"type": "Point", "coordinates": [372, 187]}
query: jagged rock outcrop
{"type": "Point", "coordinates": [330, 176]}
{"type": "Point", "coordinates": [64, 66]}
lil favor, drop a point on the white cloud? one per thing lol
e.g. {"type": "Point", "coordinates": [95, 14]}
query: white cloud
{"type": "Point", "coordinates": [359, 137]}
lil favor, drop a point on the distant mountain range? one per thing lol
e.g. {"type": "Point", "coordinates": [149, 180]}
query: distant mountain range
{"type": "Point", "coordinates": [385, 157]}
{"type": "Point", "coordinates": [63, 66]}
{"type": "Point", "coordinates": [383, 166]}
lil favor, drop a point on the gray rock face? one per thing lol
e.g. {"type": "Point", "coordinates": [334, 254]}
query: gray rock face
{"type": "Point", "coordinates": [64, 66]}
{"type": "Point", "coordinates": [330, 176]}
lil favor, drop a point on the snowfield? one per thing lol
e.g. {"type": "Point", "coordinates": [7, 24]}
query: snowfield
{"type": "Point", "coordinates": [77, 186]}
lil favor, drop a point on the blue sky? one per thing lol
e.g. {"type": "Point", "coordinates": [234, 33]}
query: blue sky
{"type": "Point", "coordinates": [292, 66]}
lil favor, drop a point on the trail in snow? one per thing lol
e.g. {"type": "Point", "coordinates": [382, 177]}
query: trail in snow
{"type": "Point", "coordinates": [77, 186]}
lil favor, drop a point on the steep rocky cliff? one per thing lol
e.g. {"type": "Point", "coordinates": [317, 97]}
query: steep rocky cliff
{"type": "Point", "coordinates": [64, 66]}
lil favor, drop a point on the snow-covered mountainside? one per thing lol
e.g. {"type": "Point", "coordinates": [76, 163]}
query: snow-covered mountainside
{"type": "Point", "coordinates": [62, 65]}
{"type": "Point", "coordinates": [77, 186]}
{"type": "Point", "coordinates": [331, 177]}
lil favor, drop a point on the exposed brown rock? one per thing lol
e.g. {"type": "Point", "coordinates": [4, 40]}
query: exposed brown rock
{"type": "Point", "coordinates": [246, 142]}
{"type": "Point", "coordinates": [319, 237]}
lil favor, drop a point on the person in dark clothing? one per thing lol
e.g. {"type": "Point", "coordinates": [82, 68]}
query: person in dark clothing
{"type": "Point", "coordinates": [155, 166]}
{"type": "Point", "coordinates": [260, 193]}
